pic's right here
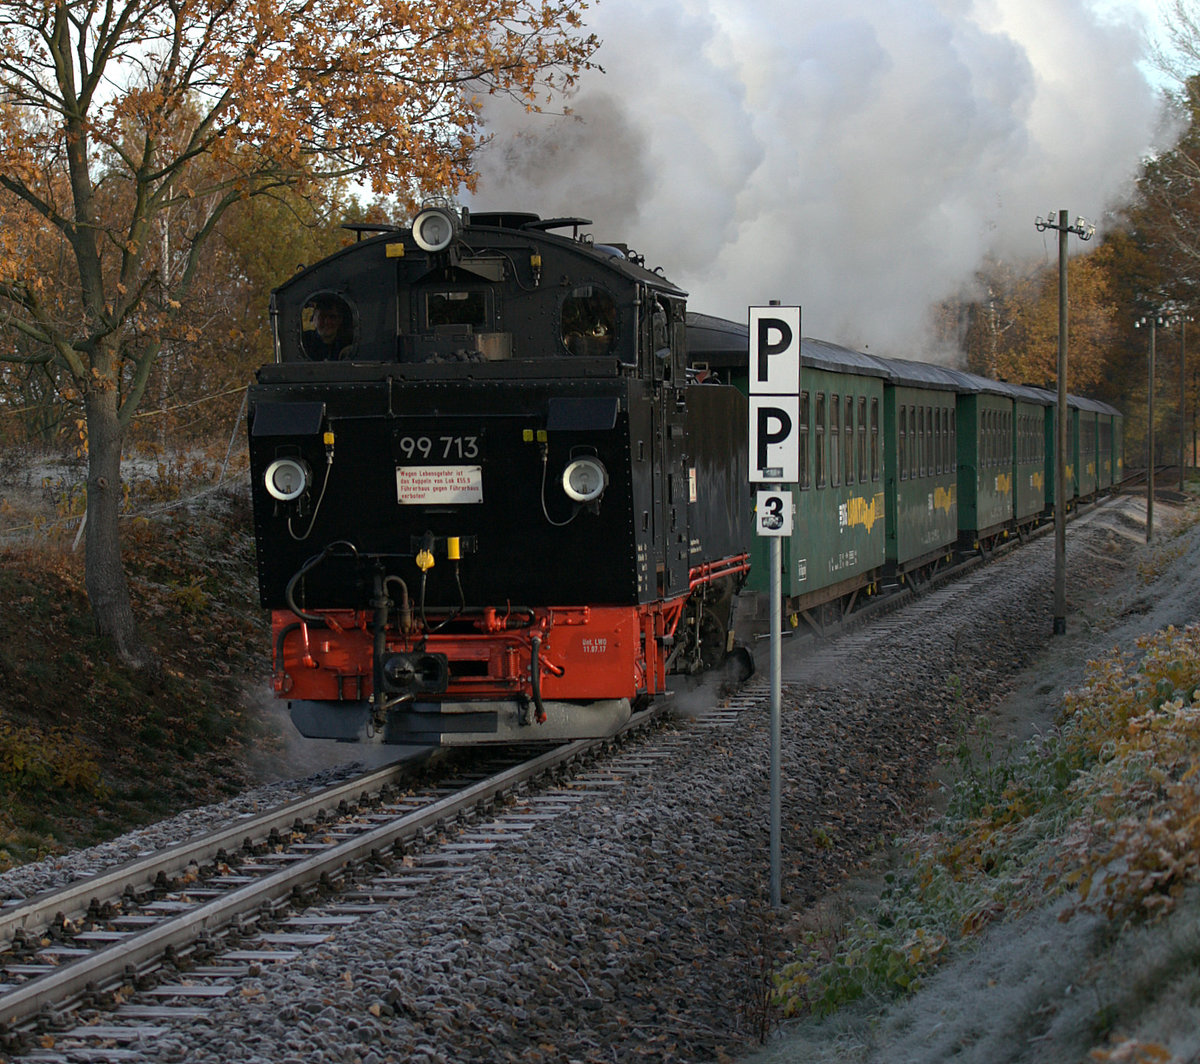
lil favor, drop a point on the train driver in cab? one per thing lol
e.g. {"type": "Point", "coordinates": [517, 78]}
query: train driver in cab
{"type": "Point", "coordinates": [332, 331]}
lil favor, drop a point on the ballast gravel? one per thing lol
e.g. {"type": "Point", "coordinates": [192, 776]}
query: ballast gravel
{"type": "Point", "coordinates": [635, 925]}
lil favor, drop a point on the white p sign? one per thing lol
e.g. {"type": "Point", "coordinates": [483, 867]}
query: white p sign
{"type": "Point", "coordinates": [774, 350]}
{"type": "Point", "coordinates": [774, 438]}
{"type": "Point", "coordinates": [774, 394]}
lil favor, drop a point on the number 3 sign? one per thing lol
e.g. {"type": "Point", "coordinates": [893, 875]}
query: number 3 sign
{"type": "Point", "coordinates": [773, 513]}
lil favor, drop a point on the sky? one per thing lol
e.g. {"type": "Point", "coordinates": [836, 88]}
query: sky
{"type": "Point", "coordinates": [860, 159]}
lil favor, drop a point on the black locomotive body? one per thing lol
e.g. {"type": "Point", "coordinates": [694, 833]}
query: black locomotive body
{"type": "Point", "coordinates": [490, 503]}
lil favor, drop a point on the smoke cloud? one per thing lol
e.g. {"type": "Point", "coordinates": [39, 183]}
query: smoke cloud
{"type": "Point", "coordinates": [859, 159]}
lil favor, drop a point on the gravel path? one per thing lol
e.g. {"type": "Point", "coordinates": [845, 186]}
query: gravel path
{"type": "Point", "coordinates": [634, 926]}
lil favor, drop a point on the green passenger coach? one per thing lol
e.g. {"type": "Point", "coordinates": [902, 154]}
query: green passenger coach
{"type": "Point", "coordinates": [1029, 457]}
{"type": "Point", "coordinates": [839, 541]}
{"type": "Point", "coordinates": [903, 467]}
{"type": "Point", "coordinates": [921, 430]}
{"type": "Point", "coordinates": [985, 463]}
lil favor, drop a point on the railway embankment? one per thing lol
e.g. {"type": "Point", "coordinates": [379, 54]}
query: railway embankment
{"type": "Point", "coordinates": [632, 925]}
{"type": "Point", "coordinates": [1051, 912]}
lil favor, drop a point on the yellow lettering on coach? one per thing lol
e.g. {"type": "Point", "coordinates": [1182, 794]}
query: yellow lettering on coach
{"type": "Point", "coordinates": [857, 511]}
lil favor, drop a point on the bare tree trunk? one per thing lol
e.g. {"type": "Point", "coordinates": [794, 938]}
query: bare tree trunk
{"type": "Point", "coordinates": [107, 587]}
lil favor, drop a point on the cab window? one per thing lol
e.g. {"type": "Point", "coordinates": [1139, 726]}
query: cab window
{"type": "Point", "coordinates": [455, 307]}
{"type": "Point", "coordinates": [327, 327]}
{"type": "Point", "coordinates": [589, 321]}
{"type": "Point", "coordinates": [455, 321]}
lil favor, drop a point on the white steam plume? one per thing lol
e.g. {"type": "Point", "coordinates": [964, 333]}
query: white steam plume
{"type": "Point", "coordinates": [859, 158]}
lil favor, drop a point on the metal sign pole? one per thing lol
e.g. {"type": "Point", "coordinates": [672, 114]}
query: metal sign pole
{"type": "Point", "coordinates": [776, 722]}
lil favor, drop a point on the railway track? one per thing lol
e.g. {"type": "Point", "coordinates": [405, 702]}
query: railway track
{"type": "Point", "coordinates": [149, 942]}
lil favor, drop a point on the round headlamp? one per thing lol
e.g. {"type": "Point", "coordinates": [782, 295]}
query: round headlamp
{"type": "Point", "coordinates": [434, 229]}
{"type": "Point", "coordinates": [585, 479]}
{"type": "Point", "coordinates": [287, 479]}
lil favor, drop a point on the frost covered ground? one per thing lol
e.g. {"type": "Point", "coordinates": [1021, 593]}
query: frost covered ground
{"type": "Point", "coordinates": [1034, 988]}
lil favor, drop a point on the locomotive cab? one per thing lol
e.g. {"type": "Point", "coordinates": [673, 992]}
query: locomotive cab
{"type": "Point", "coordinates": [484, 500]}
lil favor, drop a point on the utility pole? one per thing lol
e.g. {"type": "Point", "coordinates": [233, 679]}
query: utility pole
{"type": "Point", "coordinates": [1153, 321]}
{"type": "Point", "coordinates": [1150, 440]}
{"type": "Point", "coordinates": [1084, 231]}
{"type": "Point", "coordinates": [1183, 320]}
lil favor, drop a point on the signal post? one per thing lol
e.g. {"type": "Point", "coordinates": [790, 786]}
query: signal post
{"type": "Point", "coordinates": [775, 460]}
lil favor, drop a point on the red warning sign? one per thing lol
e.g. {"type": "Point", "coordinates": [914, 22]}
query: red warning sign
{"type": "Point", "coordinates": [439, 485]}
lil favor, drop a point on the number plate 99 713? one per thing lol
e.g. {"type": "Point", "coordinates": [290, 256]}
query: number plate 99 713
{"type": "Point", "coordinates": [438, 448]}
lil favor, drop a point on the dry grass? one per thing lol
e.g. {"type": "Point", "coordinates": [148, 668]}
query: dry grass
{"type": "Point", "coordinates": [89, 748]}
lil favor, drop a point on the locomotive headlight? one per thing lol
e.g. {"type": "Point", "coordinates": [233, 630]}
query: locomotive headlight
{"type": "Point", "coordinates": [434, 229]}
{"type": "Point", "coordinates": [286, 479]}
{"type": "Point", "coordinates": [585, 479]}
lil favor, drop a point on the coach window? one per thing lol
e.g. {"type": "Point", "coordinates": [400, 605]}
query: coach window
{"type": "Point", "coordinates": [916, 429]}
{"type": "Point", "coordinates": [937, 439]}
{"type": "Point", "coordinates": [848, 441]}
{"type": "Point", "coordinates": [921, 441]}
{"type": "Point", "coordinates": [862, 439]}
{"type": "Point", "coordinates": [835, 450]}
{"type": "Point", "coordinates": [902, 445]}
{"type": "Point", "coordinates": [805, 474]}
{"type": "Point", "coordinates": [874, 439]}
{"type": "Point", "coordinates": [934, 439]}
{"type": "Point", "coordinates": [819, 448]}
{"type": "Point", "coordinates": [930, 455]}
{"type": "Point", "coordinates": [953, 443]}
{"type": "Point", "coordinates": [327, 328]}
{"type": "Point", "coordinates": [914, 444]}
{"type": "Point", "coordinates": [589, 320]}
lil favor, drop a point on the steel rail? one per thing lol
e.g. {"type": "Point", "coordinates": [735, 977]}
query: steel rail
{"type": "Point", "coordinates": [65, 984]}
{"type": "Point", "coordinates": [74, 899]}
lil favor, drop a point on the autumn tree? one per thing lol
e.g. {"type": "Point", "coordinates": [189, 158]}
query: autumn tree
{"type": "Point", "coordinates": [1011, 326]}
{"type": "Point", "coordinates": [129, 129]}
{"type": "Point", "coordinates": [196, 389]}
{"type": "Point", "coordinates": [994, 322]}
{"type": "Point", "coordinates": [1092, 326]}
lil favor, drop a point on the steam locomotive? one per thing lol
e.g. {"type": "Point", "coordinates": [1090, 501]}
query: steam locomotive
{"type": "Point", "coordinates": [491, 502]}
{"type": "Point", "coordinates": [501, 483]}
